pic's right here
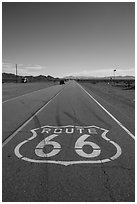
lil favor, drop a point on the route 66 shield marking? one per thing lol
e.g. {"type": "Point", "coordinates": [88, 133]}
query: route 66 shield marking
{"type": "Point", "coordinates": [67, 145]}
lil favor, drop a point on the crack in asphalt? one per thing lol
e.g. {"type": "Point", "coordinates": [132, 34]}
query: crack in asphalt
{"type": "Point", "coordinates": [106, 183]}
{"type": "Point", "coordinates": [107, 180]}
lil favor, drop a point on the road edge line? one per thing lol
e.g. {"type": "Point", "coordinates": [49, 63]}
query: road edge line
{"type": "Point", "coordinates": [11, 99]}
{"type": "Point", "coordinates": [36, 113]}
{"type": "Point", "coordinates": [119, 123]}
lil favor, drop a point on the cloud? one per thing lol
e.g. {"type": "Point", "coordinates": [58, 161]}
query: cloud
{"type": "Point", "coordinates": [27, 69]}
{"type": "Point", "coordinates": [6, 65]}
{"type": "Point", "coordinates": [34, 70]}
{"type": "Point", "coordinates": [34, 67]}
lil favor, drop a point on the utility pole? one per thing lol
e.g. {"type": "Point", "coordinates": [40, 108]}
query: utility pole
{"type": "Point", "coordinates": [16, 73]}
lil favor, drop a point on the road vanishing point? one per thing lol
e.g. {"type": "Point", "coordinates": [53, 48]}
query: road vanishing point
{"type": "Point", "coordinates": [61, 144]}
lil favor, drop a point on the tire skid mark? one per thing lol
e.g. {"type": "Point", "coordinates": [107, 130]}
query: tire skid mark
{"type": "Point", "coordinates": [32, 117]}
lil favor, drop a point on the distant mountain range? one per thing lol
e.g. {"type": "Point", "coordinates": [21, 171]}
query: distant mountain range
{"type": "Point", "coordinates": [91, 77]}
{"type": "Point", "coordinates": [8, 77]}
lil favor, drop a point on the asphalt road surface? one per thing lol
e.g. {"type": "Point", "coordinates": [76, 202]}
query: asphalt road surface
{"type": "Point", "coordinates": [61, 144]}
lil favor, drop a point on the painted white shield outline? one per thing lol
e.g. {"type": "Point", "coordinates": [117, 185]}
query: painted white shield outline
{"type": "Point", "coordinates": [66, 163]}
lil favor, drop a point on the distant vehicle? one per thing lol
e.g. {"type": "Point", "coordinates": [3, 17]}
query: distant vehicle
{"type": "Point", "coordinates": [24, 80]}
{"type": "Point", "coordinates": [62, 82]}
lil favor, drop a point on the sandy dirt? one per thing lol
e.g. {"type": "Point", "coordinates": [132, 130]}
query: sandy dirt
{"type": "Point", "coordinates": [118, 96]}
{"type": "Point", "coordinates": [120, 100]}
{"type": "Point", "coordinates": [11, 90]}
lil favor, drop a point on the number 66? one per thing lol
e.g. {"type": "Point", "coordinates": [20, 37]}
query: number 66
{"type": "Point", "coordinates": [57, 147]}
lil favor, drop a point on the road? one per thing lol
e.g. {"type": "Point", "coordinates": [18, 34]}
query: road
{"type": "Point", "coordinates": [61, 145]}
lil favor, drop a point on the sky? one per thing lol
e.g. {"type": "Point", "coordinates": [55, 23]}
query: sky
{"type": "Point", "coordinates": [68, 38]}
